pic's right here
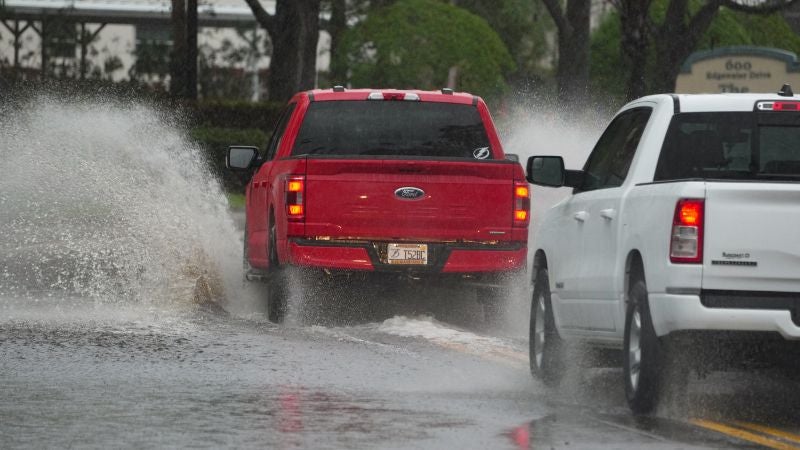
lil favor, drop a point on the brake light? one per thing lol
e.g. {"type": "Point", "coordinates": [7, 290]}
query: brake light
{"type": "Point", "coordinates": [407, 96]}
{"type": "Point", "coordinates": [778, 106]}
{"type": "Point", "coordinates": [686, 243]}
{"type": "Point", "coordinates": [295, 188]}
{"type": "Point", "coordinates": [522, 203]}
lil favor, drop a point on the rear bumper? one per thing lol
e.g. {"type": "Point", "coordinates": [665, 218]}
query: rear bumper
{"type": "Point", "coordinates": [443, 258]}
{"type": "Point", "coordinates": [674, 312]}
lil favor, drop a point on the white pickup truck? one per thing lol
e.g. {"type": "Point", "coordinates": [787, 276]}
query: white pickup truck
{"type": "Point", "coordinates": [683, 228]}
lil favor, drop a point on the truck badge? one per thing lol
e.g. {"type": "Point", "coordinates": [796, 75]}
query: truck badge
{"type": "Point", "coordinates": [409, 193]}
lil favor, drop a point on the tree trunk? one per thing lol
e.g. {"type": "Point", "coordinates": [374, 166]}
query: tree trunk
{"type": "Point", "coordinates": [338, 25]}
{"type": "Point", "coordinates": [572, 73]}
{"type": "Point", "coordinates": [676, 39]}
{"type": "Point", "coordinates": [294, 48]}
{"type": "Point", "coordinates": [191, 49]}
{"type": "Point", "coordinates": [634, 34]}
{"type": "Point", "coordinates": [177, 83]}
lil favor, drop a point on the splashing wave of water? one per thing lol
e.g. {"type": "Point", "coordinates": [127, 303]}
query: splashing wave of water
{"type": "Point", "coordinates": [108, 201]}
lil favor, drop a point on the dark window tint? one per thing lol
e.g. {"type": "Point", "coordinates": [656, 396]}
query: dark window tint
{"type": "Point", "coordinates": [280, 129]}
{"type": "Point", "coordinates": [392, 128]}
{"type": "Point", "coordinates": [611, 158]}
{"type": "Point", "coordinates": [740, 146]}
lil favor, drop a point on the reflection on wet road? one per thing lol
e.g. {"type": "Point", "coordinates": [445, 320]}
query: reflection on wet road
{"type": "Point", "coordinates": [195, 377]}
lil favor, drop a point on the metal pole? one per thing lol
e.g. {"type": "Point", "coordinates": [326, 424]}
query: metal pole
{"type": "Point", "coordinates": [43, 36]}
{"type": "Point", "coordinates": [83, 51]}
{"type": "Point", "coordinates": [17, 33]}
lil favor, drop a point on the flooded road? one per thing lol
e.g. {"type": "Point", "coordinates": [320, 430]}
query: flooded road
{"type": "Point", "coordinates": [197, 377]}
{"type": "Point", "coordinates": [124, 323]}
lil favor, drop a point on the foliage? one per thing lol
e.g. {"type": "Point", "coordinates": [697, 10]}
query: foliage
{"type": "Point", "coordinates": [729, 28]}
{"type": "Point", "coordinates": [216, 141]}
{"type": "Point", "coordinates": [416, 43]}
{"type": "Point", "coordinates": [239, 114]}
{"type": "Point", "coordinates": [522, 25]}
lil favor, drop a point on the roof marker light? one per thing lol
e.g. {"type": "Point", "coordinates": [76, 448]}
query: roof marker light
{"type": "Point", "coordinates": [375, 96]}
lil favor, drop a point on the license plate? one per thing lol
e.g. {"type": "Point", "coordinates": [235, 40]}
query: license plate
{"type": "Point", "coordinates": [408, 254]}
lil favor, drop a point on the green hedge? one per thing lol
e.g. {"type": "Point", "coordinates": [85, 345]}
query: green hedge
{"type": "Point", "coordinates": [216, 142]}
{"type": "Point", "coordinates": [238, 114]}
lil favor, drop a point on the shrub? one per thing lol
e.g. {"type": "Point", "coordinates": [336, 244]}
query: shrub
{"type": "Point", "coordinates": [216, 142]}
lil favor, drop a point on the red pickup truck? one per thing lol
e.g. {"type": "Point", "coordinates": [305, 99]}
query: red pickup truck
{"type": "Point", "coordinates": [413, 183]}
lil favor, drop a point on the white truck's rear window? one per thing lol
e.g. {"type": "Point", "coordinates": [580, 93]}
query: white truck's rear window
{"type": "Point", "coordinates": [731, 145]}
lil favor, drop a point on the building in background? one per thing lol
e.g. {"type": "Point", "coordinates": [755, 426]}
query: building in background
{"type": "Point", "coordinates": [131, 39]}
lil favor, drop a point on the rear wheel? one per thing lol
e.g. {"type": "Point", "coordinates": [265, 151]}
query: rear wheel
{"type": "Point", "coordinates": [545, 345]}
{"type": "Point", "coordinates": [644, 355]}
{"type": "Point", "coordinates": [277, 289]}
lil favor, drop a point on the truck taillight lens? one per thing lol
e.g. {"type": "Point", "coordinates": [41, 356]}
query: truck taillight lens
{"type": "Point", "coordinates": [295, 190]}
{"type": "Point", "coordinates": [522, 204]}
{"type": "Point", "coordinates": [686, 244]}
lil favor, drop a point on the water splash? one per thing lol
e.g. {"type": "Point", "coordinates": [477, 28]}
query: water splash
{"type": "Point", "coordinates": [108, 201]}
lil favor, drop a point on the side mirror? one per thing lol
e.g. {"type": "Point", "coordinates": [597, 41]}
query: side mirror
{"type": "Point", "coordinates": [241, 158]}
{"type": "Point", "coordinates": [546, 171]}
{"type": "Point", "coordinates": [512, 157]}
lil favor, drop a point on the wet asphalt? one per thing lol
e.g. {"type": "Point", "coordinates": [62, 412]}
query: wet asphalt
{"type": "Point", "coordinates": [394, 366]}
{"type": "Point", "coordinates": [197, 377]}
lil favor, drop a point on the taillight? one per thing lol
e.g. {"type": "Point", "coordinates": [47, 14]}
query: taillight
{"type": "Point", "coordinates": [295, 188]}
{"type": "Point", "coordinates": [778, 106]}
{"type": "Point", "coordinates": [686, 244]}
{"type": "Point", "coordinates": [522, 203]}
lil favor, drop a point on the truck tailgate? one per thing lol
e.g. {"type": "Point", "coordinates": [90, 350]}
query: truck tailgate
{"type": "Point", "coordinates": [355, 198]}
{"type": "Point", "coordinates": [752, 242]}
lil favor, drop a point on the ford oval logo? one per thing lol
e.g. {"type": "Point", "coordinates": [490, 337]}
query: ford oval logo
{"type": "Point", "coordinates": [409, 193]}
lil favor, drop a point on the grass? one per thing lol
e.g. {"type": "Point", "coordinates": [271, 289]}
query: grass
{"type": "Point", "coordinates": [235, 201]}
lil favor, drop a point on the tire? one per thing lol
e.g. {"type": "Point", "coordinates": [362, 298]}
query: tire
{"type": "Point", "coordinates": [277, 289]}
{"type": "Point", "coordinates": [643, 360]}
{"type": "Point", "coordinates": [546, 348]}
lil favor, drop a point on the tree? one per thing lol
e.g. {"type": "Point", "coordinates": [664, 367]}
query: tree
{"type": "Point", "coordinates": [523, 26]}
{"type": "Point", "coordinates": [294, 32]}
{"type": "Point", "coordinates": [177, 84]}
{"type": "Point", "coordinates": [675, 38]}
{"type": "Point", "coordinates": [424, 44]}
{"type": "Point", "coordinates": [728, 28]}
{"type": "Point", "coordinates": [572, 23]}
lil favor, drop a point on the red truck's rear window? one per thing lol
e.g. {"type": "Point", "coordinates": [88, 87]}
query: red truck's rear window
{"type": "Point", "coordinates": [392, 128]}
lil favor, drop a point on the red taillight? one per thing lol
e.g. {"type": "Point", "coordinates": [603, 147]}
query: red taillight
{"type": "Point", "coordinates": [522, 203]}
{"type": "Point", "coordinates": [778, 106]}
{"type": "Point", "coordinates": [295, 188]}
{"type": "Point", "coordinates": [785, 106]}
{"type": "Point", "coordinates": [686, 243]}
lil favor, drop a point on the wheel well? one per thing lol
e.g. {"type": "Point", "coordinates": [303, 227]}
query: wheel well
{"type": "Point", "coordinates": [634, 270]}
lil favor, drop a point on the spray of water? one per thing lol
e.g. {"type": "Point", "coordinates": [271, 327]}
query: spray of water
{"type": "Point", "coordinates": [109, 202]}
{"type": "Point", "coordinates": [542, 127]}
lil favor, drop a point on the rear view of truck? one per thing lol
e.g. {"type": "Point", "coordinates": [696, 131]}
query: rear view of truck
{"type": "Point", "coordinates": [408, 183]}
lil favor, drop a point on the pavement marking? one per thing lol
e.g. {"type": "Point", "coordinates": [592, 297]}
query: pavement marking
{"type": "Point", "coordinates": [771, 431]}
{"type": "Point", "coordinates": [743, 434]}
